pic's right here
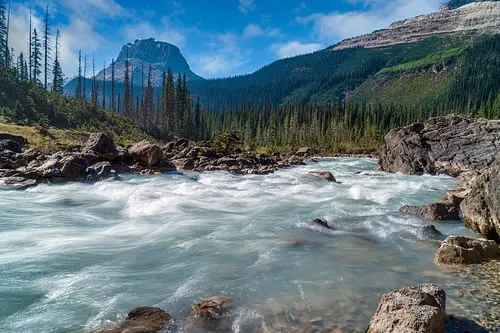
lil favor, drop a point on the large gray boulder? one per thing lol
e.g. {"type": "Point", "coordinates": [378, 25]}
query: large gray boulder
{"type": "Point", "coordinates": [147, 154]}
{"type": "Point", "coordinates": [481, 208]}
{"type": "Point", "coordinates": [101, 145]}
{"type": "Point", "coordinates": [416, 309]}
{"type": "Point", "coordinates": [451, 145]}
{"type": "Point", "coordinates": [459, 250]}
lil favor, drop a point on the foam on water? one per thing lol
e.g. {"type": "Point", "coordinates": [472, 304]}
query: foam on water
{"type": "Point", "coordinates": [77, 256]}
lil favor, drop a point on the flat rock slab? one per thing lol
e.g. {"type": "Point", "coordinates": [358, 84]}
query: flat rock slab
{"type": "Point", "coordinates": [459, 250]}
{"type": "Point", "coordinates": [142, 320]}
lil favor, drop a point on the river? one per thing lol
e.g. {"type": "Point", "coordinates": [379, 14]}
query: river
{"type": "Point", "coordinates": [76, 256]}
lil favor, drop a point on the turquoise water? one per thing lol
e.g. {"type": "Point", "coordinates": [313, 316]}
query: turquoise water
{"type": "Point", "coordinates": [74, 257]}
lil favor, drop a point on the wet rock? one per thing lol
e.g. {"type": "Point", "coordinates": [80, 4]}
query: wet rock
{"type": "Point", "coordinates": [459, 250]}
{"type": "Point", "coordinates": [210, 308]}
{"type": "Point", "coordinates": [328, 176]}
{"type": "Point", "coordinates": [229, 161]}
{"type": "Point", "coordinates": [142, 320]}
{"type": "Point", "coordinates": [322, 223]}
{"type": "Point", "coordinates": [437, 211]}
{"type": "Point", "coordinates": [99, 171]}
{"type": "Point", "coordinates": [50, 168]}
{"type": "Point", "coordinates": [430, 231]}
{"type": "Point", "coordinates": [166, 166]}
{"type": "Point", "coordinates": [101, 145]}
{"type": "Point", "coordinates": [481, 208]}
{"type": "Point", "coordinates": [451, 145]}
{"type": "Point", "coordinates": [73, 167]}
{"type": "Point", "coordinates": [16, 183]}
{"type": "Point", "coordinates": [147, 154]}
{"type": "Point", "coordinates": [416, 309]}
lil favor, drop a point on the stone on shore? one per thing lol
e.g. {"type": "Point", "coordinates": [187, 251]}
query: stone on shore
{"type": "Point", "coordinates": [147, 154]}
{"type": "Point", "coordinates": [16, 183]}
{"type": "Point", "coordinates": [101, 145]}
{"type": "Point", "coordinates": [459, 250]}
{"type": "Point", "coordinates": [142, 320]}
{"type": "Point", "coordinates": [13, 143]}
{"type": "Point", "coordinates": [416, 309]}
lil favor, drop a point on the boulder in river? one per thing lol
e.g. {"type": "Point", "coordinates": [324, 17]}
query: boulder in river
{"type": "Point", "coordinates": [142, 320]}
{"type": "Point", "coordinates": [450, 144]}
{"type": "Point", "coordinates": [481, 208]}
{"type": "Point", "coordinates": [101, 145]}
{"type": "Point", "coordinates": [147, 154]}
{"type": "Point", "coordinates": [16, 183]}
{"type": "Point", "coordinates": [416, 309]}
{"type": "Point", "coordinates": [459, 250]}
{"type": "Point", "coordinates": [210, 308]}
{"type": "Point", "coordinates": [328, 176]}
{"type": "Point", "coordinates": [437, 211]}
{"type": "Point", "coordinates": [322, 223]}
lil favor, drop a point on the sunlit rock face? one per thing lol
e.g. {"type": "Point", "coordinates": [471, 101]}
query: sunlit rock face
{"type": "Point", "coordinates": [480, 17]}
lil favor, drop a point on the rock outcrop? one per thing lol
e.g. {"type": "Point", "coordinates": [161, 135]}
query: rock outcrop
{"type": "Point", "coordinates": [458, 250]}
{"type": "Point", "coordinates": [478, 17]}
{"type": "Point", "coordinates": [417, 309]}
{"type": "Point", "coordinates": [449, 145]}
{"type": "Point", "coordinates": [210, 308]}
{"type": "Point", "coordinates": [143, 320]}
{"type": "Point", "coordinates": [437, 211]}
{"type": "Point", "coordinates": [481, 208]}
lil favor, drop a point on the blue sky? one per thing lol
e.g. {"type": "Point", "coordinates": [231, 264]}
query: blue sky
{"type": "Point", "coordinates": [219, 38]}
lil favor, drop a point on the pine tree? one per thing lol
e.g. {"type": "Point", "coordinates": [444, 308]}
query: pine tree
{"type": "Point", "coordinates": [30, 55]}
{"type": "Point", "coordinates": [126, 90]}
{"type": "Point", "coordinates": [57, 80]}
{"type": "Point", "coordinates": [79, 87]}
{"type": "Point", "coordinates": [84, 92]}
{"type": "Point", "coordinates": [149, 100]}
{"type": "Point", "coordinates": [36, 57]}
{"type": "Point", "coordinates": [104, 87]}
{"type": "Point", "coordinates": [113, 85]}
{"type": "Point", "coordinates": [94, 85]}
{"type": "Point", "coordinates": [46, 47]}
{"type": "Point", "coordinates": [3, 35]}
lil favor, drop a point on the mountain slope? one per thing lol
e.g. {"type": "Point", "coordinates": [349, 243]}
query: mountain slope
{"type": "Point", "coordinates": [483, 17]}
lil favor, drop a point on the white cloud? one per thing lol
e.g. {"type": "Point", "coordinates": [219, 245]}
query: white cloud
{"type": "Point", "coordinates": [246, 6]}
{"type": "Point", "coordinates": [222, 57]}
{"type": "Point", "coordinates": [376, 14]}
{"type": "Point", "coordinates": [293, 48]}
{"type": "Point", "coordinates": [254, 30]}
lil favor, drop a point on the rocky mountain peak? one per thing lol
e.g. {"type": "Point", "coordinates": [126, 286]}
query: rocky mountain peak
{"type": "Point", "coordinates": [141, 54]}
{"type": "Point", "coordinates": [454, 4]}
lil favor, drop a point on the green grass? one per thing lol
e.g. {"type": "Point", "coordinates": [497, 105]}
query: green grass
{"type": "Point", "coordinates": [427, 61]}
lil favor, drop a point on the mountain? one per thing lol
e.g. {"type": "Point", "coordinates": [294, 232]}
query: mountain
{"type": "Point", "coordinates": [449, 57]}
{"type": "Point", "coordinates": [454, 4]}
{"type": "Point", "coordinates": [481, 17]}
{"type": "Point", "coordinates": [161, 56]}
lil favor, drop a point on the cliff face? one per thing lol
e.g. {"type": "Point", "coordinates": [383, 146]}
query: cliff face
{"type": "Point", "coordinates": [161, 56]}
{"type": "Point", "coordinates": [482, 17]}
